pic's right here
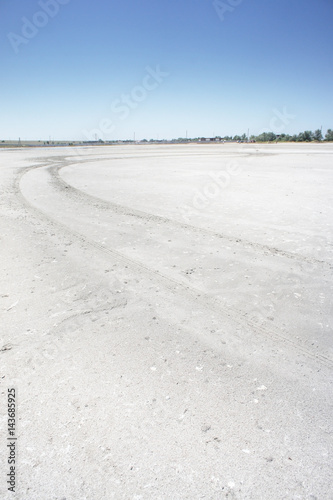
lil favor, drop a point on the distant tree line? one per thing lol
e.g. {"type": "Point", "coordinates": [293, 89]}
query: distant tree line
{"type": "Point", "coordinates": [306, 136]}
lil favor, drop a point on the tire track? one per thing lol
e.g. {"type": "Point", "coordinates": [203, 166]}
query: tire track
{"type": "Point", "coordinates": [233, 314]}
{"type": "Point", "coordinates": [130, 212]}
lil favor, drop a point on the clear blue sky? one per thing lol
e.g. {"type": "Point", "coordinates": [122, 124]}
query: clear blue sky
{"type": "Point", "coordinates": [83, 69]}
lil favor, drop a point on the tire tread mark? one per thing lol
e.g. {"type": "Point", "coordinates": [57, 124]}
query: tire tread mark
{"type": "Point", "coordinates": [232, 313]}
{"type": "Point", "coordinates": [117, 208]}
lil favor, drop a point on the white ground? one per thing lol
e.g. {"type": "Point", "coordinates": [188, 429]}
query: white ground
{"type": "Point", "coordinates": [167, 321]}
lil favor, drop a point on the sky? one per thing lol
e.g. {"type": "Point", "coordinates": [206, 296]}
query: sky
{"type": "Point", "coordinates": [81, 70]}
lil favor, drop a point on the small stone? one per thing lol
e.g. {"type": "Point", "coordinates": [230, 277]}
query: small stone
{"type": "Point", "coordinates": [6, 347]}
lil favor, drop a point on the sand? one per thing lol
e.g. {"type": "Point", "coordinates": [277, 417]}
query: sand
{"type": "Point", "coordinates": [167, 321]}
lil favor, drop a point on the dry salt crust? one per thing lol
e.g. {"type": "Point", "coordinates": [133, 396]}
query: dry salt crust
{"type": "Point", "coordinates": [167, 321]}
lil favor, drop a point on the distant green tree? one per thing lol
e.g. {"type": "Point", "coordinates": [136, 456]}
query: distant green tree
{"type": "Point", "coordinates": [307, 136]}
{"type": "Point", "coordinates": [317, 135]}
{"type": "Point", "coordinates": [262, 137]}
{"type": "Point", "coordinates": [243, 137]}
{"type": "Point", "coordinates": [266, 137]}
{"type": "Point", "coordinates": [283, 138]}
{"type": "Point", "coordinates": [237, 138]}
{"type": "Point", "coordinates": [329, 135]}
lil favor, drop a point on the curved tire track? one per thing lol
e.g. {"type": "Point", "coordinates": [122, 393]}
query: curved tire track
{"type": "Point", "coordinates": [131, 212]}
{"type": "Point", "coordinates": [232, 313]}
